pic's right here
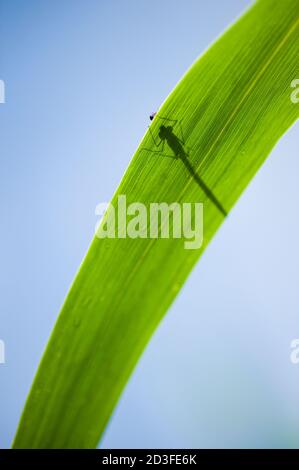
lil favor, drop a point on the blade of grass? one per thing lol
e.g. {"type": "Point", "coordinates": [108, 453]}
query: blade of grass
{"type": "Point", "coordinates": [234, 105]}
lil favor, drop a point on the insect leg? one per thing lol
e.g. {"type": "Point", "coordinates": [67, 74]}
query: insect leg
{"type": "Point", "coordinates": [153, 137]}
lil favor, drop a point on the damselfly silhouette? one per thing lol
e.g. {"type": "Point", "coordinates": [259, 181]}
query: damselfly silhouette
{"type": "Point", "coordinates": [180, 151]}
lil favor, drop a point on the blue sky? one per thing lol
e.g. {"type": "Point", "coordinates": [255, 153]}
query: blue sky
{"type": "Point", "coordinates": [217, 372]}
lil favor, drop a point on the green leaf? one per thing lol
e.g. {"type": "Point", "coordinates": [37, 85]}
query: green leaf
{"type": "Point", "coordinates": [233, 105]}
